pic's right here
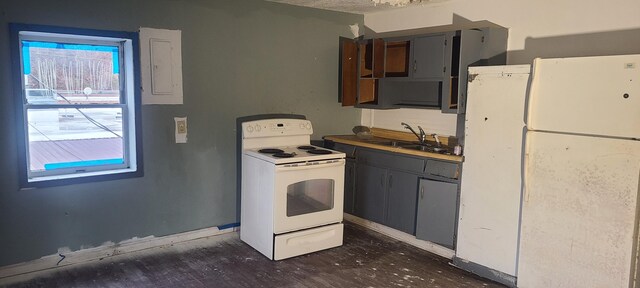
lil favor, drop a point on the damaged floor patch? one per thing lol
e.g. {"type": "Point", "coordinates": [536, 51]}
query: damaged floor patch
{"type": "Point", "coordinates": [363, 261]}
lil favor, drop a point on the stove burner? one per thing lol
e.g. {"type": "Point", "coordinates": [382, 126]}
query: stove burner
{"type": "Point", "coordinates": [319, 151]}
{"type": "Point", "coordinates": [283, 155]}
{"type": "Point", "coordinates": [270, 151]}
{"type": "Point", "coordinates": [306, 147]}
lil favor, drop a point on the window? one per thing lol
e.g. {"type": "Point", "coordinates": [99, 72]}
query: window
{"type": "Point", "coordinates": [79, 105]}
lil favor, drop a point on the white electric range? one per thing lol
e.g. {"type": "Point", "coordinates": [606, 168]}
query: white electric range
{"type": "Point", "coordinates": [291, 192]}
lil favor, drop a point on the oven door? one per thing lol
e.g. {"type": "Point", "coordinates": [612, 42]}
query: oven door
{"type": "Point", "coordinates": [308, 195]}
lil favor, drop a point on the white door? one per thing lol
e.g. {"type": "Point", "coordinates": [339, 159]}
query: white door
{"type": "Point", "coordinates": [579, 211]}
{"type": "Point", "coordinates": [308, 195]}
{"type": "Point", "coordinates": [586, 95]}
{"type": "Point", "coordinates": [490, 198]}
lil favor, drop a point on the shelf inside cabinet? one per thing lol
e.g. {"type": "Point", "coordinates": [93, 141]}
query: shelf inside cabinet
{"type": "Point", "coordinates": [453, 101]}
{"type": "Point", "coordinates": [368, 93]}
{"type": "Point", "coordinates": [454, 78]}
{"type": "Point", "coordinates": [397, 59]}
{"type": "Point", "coordinates": [372, 58]}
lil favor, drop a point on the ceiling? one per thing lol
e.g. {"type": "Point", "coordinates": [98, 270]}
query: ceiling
{"type": "Point", "coordinates": [358, 6]}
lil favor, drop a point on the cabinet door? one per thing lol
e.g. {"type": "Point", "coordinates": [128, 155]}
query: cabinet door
{"type": "Point", "coordinates": [348, 79]}
{"type": "Point", "coordinates": [401, 207]}
{"type": "Point", "coordinates": [349, 185]}
{"type": "Point", "coordinates": [370, 192]}
{"type": "Point", "coordinates": [428, 57]}
{"type": "Point", "coordinates": [467, 50]}
{"type": "Point", "coordinates": [437, 209]}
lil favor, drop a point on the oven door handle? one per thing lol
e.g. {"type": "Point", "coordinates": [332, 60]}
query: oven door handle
{"type": "Point", "coordinates": [339, 162]}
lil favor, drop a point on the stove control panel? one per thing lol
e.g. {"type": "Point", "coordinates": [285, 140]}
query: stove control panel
{"type": "Point", "coordinates": [276, 127]}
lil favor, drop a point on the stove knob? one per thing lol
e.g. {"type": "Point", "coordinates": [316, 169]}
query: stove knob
{"type": "Point", "coordinates": [258, 128]}
{"type": "Point", "coordinates": [308, 126]}
{"type": "Point", "coordinates": [249, 129]}
{"type": "Point", "coordinates": [301, 125]}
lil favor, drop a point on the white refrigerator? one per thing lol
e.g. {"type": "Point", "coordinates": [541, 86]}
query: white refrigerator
{"type": "Point", "coordinates": [488, 221]}
{"type": "Point", "coordinates": [579, 224]}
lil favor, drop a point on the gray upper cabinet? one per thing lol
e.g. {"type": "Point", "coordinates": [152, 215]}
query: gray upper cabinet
{"type": "Point", "coordinates": [418, 71]}
{"type": "Point", "coordinates": [401, 207]}
{"type": "Point", "coordinates": [468, 48]}
{"type": "Point", "coordinates": [437, 212]}
{"type": "Point", "coordinates": [428, 57]}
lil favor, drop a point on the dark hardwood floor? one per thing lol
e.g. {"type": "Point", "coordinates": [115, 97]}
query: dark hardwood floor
{"type": "Point", "coordinates": [367, 259]}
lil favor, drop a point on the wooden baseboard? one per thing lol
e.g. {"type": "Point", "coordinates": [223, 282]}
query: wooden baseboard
{"type": "Point", "coordinates": [404, 237]}
{"type": "Point", "coordinates": [15, 272]}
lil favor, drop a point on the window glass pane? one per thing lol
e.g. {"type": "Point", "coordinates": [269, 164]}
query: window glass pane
{"type": "Point", "coordinates": [309, 196]}
{"type": "Point", "coordinates": [60, 73]}
{"type": "Point", "coordinates": [65, 138]}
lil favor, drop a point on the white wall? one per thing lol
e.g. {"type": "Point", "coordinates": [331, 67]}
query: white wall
{"type": "Point", "coordinates": [432, 121]}
{"type": "Point", "coordinates": [537, 28]}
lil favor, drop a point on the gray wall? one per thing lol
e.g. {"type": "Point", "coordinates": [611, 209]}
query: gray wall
{"type": "Point", "coordinates": [239, 58]}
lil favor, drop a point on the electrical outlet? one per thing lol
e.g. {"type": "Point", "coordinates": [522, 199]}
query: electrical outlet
{"type": "Point", "coordinates": [181, 129]}
{"type": "Point", "coordinates": [182, 126]}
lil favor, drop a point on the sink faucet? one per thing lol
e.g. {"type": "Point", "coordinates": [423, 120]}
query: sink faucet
{"type": "Point", "coordinates": [435, 136]}
{"type": "Point", "coordinates": [422, 137]}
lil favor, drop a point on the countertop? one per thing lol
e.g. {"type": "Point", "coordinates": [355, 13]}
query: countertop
{"type": "Point", "coordinates": [371, 143]}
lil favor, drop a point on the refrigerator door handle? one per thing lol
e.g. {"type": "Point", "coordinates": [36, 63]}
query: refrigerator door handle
{"type": "Point", "coordinates": [525, 164]}
{"type": "Point", "coordinates": [531, 91]}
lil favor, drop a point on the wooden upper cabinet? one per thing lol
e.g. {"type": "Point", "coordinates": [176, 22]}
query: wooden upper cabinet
{"type": "Point", "coordinates": [378, 58]}
{"type": "Point", "coordinates": [372, 53]}
{"type": "Point", "coordinates": [372, 58]}
{"type": "Point", "coordinates": [397, 58]}
{"type": "Point", "coordinates": [348, 80]}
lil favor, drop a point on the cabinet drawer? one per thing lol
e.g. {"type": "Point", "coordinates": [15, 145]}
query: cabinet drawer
{"type": "Point", "coordinates": [443, 169]}
{"type": "Point", "coordinates": [395, 161]}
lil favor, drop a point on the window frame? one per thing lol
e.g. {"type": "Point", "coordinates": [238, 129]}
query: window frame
{"type": "Point", "coordinates": [130, 103]}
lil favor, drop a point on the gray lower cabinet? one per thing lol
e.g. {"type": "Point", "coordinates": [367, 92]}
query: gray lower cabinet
{"type": "Point", "coordinates": [437, 212]}
{"type": "Point", "coordinates": [370, 192]}
{"type": "Point", "coordinates": [389, 189]}
{"type": "Point", "coordinates": [349, 185]}
{"type": "Point", "coordinates": [386, 196]}
{"type": "Point", "coordinates": [401, 206]}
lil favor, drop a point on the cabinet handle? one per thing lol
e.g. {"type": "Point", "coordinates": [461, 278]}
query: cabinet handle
{"type": "Point", "coordinates": [415, 66]}
{"type": "Point", "coordinates": [390, 180]}
{"type": "Point", "coordinates": [381, 180]}
{"type": "Point", "coordinates": [421, 192]}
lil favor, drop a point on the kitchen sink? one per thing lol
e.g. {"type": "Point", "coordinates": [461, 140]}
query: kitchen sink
{"type": "Point", "coordinates": [391, 143]}
{"type": "Point", "coordinates": [428, 148]}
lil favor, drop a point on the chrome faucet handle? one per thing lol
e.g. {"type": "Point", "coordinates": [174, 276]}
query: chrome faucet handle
{"type": "Point", "coordinates": [435, 136]}
{"type": "Point", "coordinates": [406, 126]}
{"type": "Point", "coordinates": [423, 136]}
